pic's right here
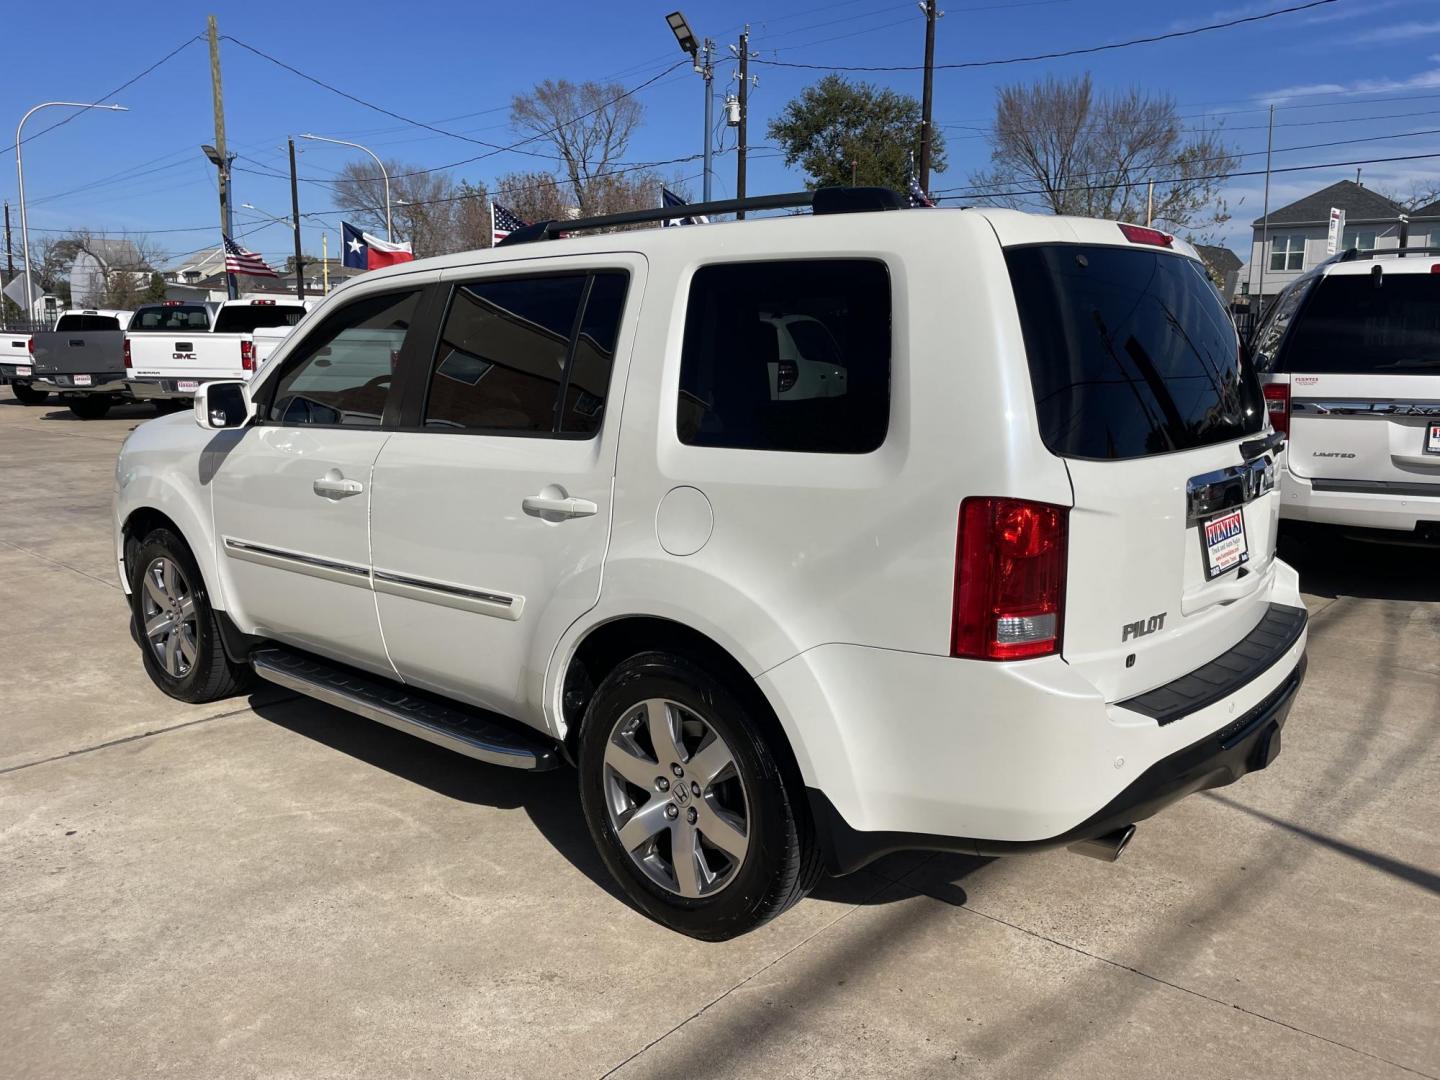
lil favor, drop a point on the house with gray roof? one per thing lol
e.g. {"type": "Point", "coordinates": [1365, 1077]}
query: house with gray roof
{"type": "Point", "coordinates": [1292, 239]}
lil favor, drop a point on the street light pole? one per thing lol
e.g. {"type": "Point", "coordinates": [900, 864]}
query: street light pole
{"type": "Point", "coordinates": [383, 174]}
{"type": "Point", "coordinates": [20, 181]}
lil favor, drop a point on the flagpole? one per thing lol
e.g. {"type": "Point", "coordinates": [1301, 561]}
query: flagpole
{"type": "Point", "coordinates": [325, 260]}
{"type": "Point", "coordinates": [492, 222]}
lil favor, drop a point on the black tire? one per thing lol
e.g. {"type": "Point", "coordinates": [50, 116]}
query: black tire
{"type": "Point", "coordinates": [211, 675]}
{"type": "Point", "coordinates": [27, 394]}
{"type": "Point", "coordinates": [782, 861]}
{"type": "Point", "coordinates": [91, 407]}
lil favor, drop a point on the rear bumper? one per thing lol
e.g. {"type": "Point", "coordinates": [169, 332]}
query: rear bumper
{"type": "Point", "coordinates": [10, 372]}
{"type": "Point", "coordinates": [1246, 745]}
{"type": "Point", "coordinates": [160, 389]}
{"type": "Point", "coordinates": [101, 383]}
{"type": "Point", "coordinates": [907, 750]}
{"type": "Point", "coordinates": [1396, 507]}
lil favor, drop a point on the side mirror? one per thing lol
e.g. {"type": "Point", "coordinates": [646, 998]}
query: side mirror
{"type": "Point", "coordinates": [221, 405]}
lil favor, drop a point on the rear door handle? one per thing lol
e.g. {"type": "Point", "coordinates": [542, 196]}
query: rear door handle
{"type": "Point", "coordinates": [561, 507]}
{"type": "Point", "coordinates": [334, 486]}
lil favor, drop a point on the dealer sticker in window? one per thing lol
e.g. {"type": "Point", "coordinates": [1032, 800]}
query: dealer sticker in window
{"type": "Point", "coordinates": [1432, 437]}
{"type": "Point", "coordinates": [1223, 540]}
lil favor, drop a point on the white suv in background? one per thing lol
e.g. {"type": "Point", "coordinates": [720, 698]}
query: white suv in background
{"type": "Point", "coordinates": [1350, 358]}
{"type": "Point", "coordinates": [1009, 585]}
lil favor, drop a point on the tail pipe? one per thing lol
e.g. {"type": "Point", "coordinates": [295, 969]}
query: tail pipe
{"type": "Point", "coordinates": [1106, 848]}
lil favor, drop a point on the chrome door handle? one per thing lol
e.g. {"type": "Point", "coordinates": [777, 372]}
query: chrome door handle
{"type": "Point", "coordinates": [333, 485]}
{"type": "Point", "coordinates": [568, 508]}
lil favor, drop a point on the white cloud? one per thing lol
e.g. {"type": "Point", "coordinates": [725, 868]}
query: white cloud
{"type": "Point", "coordinates": [1425, 80]}
{"type": "Point", "coordinates": [1397, 32]}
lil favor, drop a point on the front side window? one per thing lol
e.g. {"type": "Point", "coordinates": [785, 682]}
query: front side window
{"type": "Point", "coordinates": [789, 356]}
{"type": "Point", "coordinates": [341, 374]}
{"type": "Point", "coordinates": [518, 355]}
{"type": "Point", "coordinates": [1287, 253]}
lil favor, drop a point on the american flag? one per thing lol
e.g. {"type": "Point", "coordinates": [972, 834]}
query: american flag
{"type": "Point", "coordinates": [503, 222]}
{"type": "Point", "coordinates": [918, 197]}
{"type": "Point", "coordinates": [240, 261]}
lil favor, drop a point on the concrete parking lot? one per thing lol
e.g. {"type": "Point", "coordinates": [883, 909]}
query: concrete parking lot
{"type": "Point", "coordinates": [271, 887]}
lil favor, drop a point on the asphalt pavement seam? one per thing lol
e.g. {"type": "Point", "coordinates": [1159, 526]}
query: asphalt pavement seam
{"type": "Point", "coordinates": [63, 565]}
{"type": "Point", "coordinates": [142, 735]}
{"type": "Point", "coordinates": [1182, 989]}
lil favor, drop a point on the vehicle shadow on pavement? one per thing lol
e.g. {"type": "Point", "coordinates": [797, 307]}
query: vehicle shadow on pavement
{"type": "Point", "coordinates": [1334, 565]}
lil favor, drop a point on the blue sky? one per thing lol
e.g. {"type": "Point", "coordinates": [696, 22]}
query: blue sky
{"type": "Point", "coordinates": [1350, 70]}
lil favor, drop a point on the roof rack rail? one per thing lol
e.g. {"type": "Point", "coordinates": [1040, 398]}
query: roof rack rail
{"type": "Point", "coordinates": [828, 200]}
{"type": "Point", "coordinates": [1351, 254]}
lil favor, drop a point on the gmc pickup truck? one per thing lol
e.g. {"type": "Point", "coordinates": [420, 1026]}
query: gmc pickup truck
{"type": "Point", "coordinates": [83, 360]}
{"type": "Point", "coordinates": [172, 348]}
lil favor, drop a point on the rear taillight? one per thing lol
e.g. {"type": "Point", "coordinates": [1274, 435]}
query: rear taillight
{"type": "Point", "coordinates": [128, 363]}
{"type": "Point", "coordinates": [1277, 404]}
{"type": "Point", "coordinates": [247, 355]}
{"type": "Point", "coordinates": [30, 346]}
{"type": "Point", "coordinates": [1140, 234]}
{"type": "Point", "coordinates": [787, 374]}
{"type": "Point", "coordinates": [1009, 579]}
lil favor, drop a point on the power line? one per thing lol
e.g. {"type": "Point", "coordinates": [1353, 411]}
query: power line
{"type": "Point", "coordinates": [1089, 50]}
{"type": "Point", "coordinates": [109, 94]}
{"type": "Point", "coordinates": [1212, 176]}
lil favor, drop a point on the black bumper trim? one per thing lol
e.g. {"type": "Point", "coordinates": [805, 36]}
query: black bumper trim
{"type": "Point", "coordinates": [1251, 657]}
{"type": "Point", "coordinates": [1246, 745]}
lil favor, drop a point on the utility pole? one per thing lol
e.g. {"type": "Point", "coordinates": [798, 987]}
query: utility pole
{"type": "Point", "coordinates": [221, 158]}
{"type": "Point", "coordinates": [295, 218]}
{"type": "Point", "coordinates": [1265, 219]}
{"type": "Point", "coordinates": [1149, 203]}
{"type": "Point", "coordinates": [928, 96]}
{"type": "Point", "coordinates": [707, 74]}
{"type": "Point", "coordinates": [744, 118]}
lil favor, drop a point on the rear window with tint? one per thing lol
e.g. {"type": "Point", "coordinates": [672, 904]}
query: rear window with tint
{"type": "Point", "coordinates": [1354, 325]}
{"type": "Point", "coordinates": [246, 319]}
{"type": "Point", "coordinates": [1131, 352]}
{"type": "Point", "coordinates": [155, 320]}
{"type": "Point", "coordinates": [87, 322]}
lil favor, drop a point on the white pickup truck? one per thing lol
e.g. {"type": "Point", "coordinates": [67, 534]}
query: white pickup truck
{"type": "Point", "coordinates": [175, 346]}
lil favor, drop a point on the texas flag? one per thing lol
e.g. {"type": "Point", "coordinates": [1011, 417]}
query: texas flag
{"type": "Point", "coordinates": [366, 252]}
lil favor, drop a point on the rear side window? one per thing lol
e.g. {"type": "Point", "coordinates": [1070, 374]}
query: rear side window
{"type": "Point", "coordinates": [342, 372]}
{"type": "Point", "coordinates": [527, 355]}
{"type": "Point", "coordinates": [1367, 325]}
{"type": "Point", "coordinates": [1131, 352]}
{"type": "Point", "coordinates": [155, 320]}
{"type": "Point", "coordinates": [77, 323]}
{"type": "Point", "coordinates": [790, 356]}
{"type": "Point", "coordinates": [247, 318]}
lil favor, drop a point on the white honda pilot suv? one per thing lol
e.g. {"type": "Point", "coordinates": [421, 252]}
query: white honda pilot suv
{"type": "Point", "coordinates": [1003, 580]}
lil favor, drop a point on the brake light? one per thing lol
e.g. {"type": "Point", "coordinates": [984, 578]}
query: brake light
{"type": "Point", "coordinates": [128, 364]}
{"type": "Point", "coordinates": [787, 374]}
{"type": "Point", "coordinates": [1009, 579]}
{"type": "Point", "coordinates": [1140, 234]}
{"type": "Point", "coordinates": [247, 356]}
{"type": "Point", "coordinates": [30, 346]}
{"type": "Point", "coordinates": [1277, 404]}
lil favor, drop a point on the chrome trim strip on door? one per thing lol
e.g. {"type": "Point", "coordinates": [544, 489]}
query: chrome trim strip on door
{"type": "Point", "coordinates": [481, 601]}
{"type": "Point", "coordinates": [1224, 489]}
{"type": "Point", "coordinates": [1363, 407]}
{"type": "Point", "coordinates": [310, 565]}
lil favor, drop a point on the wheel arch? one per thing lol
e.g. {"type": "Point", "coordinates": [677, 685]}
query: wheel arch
{"type": "Point", "coordinates": [605, 645]}
{"type": "Point", "coordinates": [179, 517]}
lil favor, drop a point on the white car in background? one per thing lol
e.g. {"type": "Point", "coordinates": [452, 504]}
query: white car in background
{"type": "Point", "coordinates": [1350, 360]}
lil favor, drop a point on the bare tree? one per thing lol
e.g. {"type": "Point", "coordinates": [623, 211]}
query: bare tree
{"type": "Point", "coordinates": [1419, 193]}
{"type": "Point", "coordinates": [588, 124]}
{"type": "Point", "coordinates": [1058, 145]}
{"type": "Point", "coordinates": [434, 213]}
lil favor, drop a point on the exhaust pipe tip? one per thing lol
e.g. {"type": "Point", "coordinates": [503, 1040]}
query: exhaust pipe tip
{"type": "Point", "coordinates": [1106, 848]}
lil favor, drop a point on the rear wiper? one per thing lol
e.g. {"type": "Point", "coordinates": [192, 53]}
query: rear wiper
{"type": "Point", "coordinates": [1251, 449]}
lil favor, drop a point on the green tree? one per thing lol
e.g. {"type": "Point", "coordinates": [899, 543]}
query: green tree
{"type": "Point", "coordinates": [842, 132]}
{"type": "Point", "coordinates": [156, 291]}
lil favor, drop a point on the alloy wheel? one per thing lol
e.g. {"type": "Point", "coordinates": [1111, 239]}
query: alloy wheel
{"type": "Point", "coordinates": [676, 799]}
{"type": "Point", "coordinates": [169, 615]}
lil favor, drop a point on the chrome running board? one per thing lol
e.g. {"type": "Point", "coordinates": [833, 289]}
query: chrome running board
{"type": "Point", "coordinates": [472, 732]}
